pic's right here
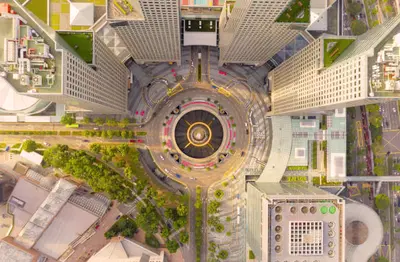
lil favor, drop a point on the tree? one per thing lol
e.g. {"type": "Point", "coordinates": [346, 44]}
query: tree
{"type": "Point", "coordinates": [160, 201]}
{"type": "Point", "coordinates": [121, 163]}
{"type": "Point", "coordinates": [372, 108]}
{"type": "Point", "coordinates": [124, 134]}
{"type": "Point", "coordinates": [213, 206]}
{"type": "Point", "coordinates": [68, 119]}
{"type": "Point", "coordinates": [151, 193]}
{"type": "Point", "coordinates": [383, 259]}
{"type": "Point", "coordinates": [128, 172]}
{"type": "Point", "coordinates": [56, 156]}
{"type": "Point", "coordinates": [397, 167]}
{"type": "Point", "coordinates": [223, 254]}
{"type": "Point", "coordinates": [376, 120]}
{"type": "Point", "coordinates": [184, 237]}
{"type": "Point", "coordinates": [104, 134]}
{"type": "Point", "coordinates": [99, 121]}
{"type": "Point", "coordinates": [374, 11]}
{"type": "Point", "coordinates": [182, 210]}
{"type": "Point", "coordinates": [86, 120]}
{"type": "Point", "coordinates": [358, 27]}
{"type": "Point", "coordinates": [382, 201]}
{"type": "Point", "coordinates": [148, 218]}
{"type": "Point", "coordinates": [165, 233]}
{"type": "Point", "coordinates": [124, 122]}
{"type": "Point", "coordinates": [171, 213]}
{"type": "Point", "coordinates": [124, 149]}
{"type": "Point", "coordinates": [29, 145]}
{"type": "Point", "coordinates": [110, 134]}
{"type": "Point", "coordinates": [95, 148]}
{"type": "Point", "coordinates": [111, 122]}
{"type": "Point", "coordinates": [379, 170]}
{"type": "Point", "coordinates": [354, 8]}
{"type": "Point", "coordinates": [388, 9]}
{"type": "Point", "coordinates": [172, 246]}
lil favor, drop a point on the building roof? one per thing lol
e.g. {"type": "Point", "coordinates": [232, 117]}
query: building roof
{"type": "Point", "coordinates": [25, 199]}
{"type": "Point", "coordinates": [280, 149]}
{"type": "Point", "coordinates": [11, 100]}
{"type": "Point", "coordinates": [47, 211]}
{"type": "Point", "coordinates": [12, 253]}
{"type": "Point", "coordinates": [126, 250]}
{"type": "Point", "coordinates": [356, 212]}
{"type": "Point", "coordinates": [69, 224]}
{"type": "Point", "coordinates": [81, 14]}
{"type": "Point", "coordinates": [32, 157]}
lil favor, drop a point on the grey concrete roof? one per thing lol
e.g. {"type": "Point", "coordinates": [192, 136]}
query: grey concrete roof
{"type": "Point", "coordinates": [70, 223]}
{"type": "Point", "coordinates": [10, 253]}
{"type": "Point", "coordinates": [360, 212]}
{"type": "Point", "coordinates": [280, 149]}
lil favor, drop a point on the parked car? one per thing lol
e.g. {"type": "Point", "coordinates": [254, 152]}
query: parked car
{"type": "Point", "coordinates": [7, 148]}
{"type": "Point", "coordinates": [46, 144]}
{"type": "Point", "coordinates": [178, 176]}
{"type": "Point", "coordinates": [85, 140]}
{"type": "Point", "coordinates": [242, 154]}
{"type": "Point", "coordinates": [162, 158]}
{"type": "Point", "coordinates": [222, 72]}
{"type": "Point", "coordinates": [117, 217]}
{"type": "Point", "coordinates": [132, 141]}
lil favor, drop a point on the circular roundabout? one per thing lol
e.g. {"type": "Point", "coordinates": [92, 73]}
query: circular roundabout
{"type": "Point", "coordinates": [198, 134]}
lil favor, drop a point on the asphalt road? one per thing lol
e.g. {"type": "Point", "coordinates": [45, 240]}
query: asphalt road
{"type": "Point", "coordinates": [390, 114]}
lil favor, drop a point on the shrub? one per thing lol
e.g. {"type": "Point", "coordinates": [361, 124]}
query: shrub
{"type": "Point", "coordinates": [219, 194]}
{"type": "Point", "coordinates": [251, 254]}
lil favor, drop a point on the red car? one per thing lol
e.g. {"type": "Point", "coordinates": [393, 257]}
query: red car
{"type": "Point", "coordinates": [142, 113]}
{"type": "Point", "coordinates": [132, 141]}
{"type": "Point", "coordinates": [222, 72]}
{"type": "Point", "coordinates": [173, 70]}
{"type": "Point", "coordinates": [137, 112]}
{"type": "Point", "coordinates": [140, 141]}
{"type": "Point", "coordinates": [97, 226]}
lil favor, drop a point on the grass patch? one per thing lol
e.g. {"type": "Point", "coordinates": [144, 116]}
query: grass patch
{"type": "Point", "coordinates": [82, 43]}
{"type": "Point", "coordinates": [18, 145]}
{"type": "Point", "coordinates": [64, 133]}
{"type": "Point", "coordinates": [141, 133]}
{"type": "Point", "coordinates": [3, 145]}
{"type": "Point", "coordinates": [199, 71]}
{"type": "Point", "coordinates": [297, 168]}
{"type": "Point", "coordinates": [323, 182]}
{"type": "Point", "coordinates": [64, 8]}
{"type": "Point", "coordinates": [38, 8]}
{"type": "Point", "coordinates": [314, 154]}
{"type": "Point", "coordinates": [152, 241]}
{"type": "Point", "coordinates": [295, 178]}
{"type": "Point", "coordinates": [333, 48]}
{"type": "Point", "coordinates": [77, 133]}
{"type": "Point", "coordinates": [297, 12]}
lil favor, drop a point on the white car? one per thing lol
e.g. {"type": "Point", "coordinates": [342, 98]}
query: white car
{"type": "Point", "coordinates": [192, 178]}
{"type": "Point", "coordinates": [96, 128]}
{"type": "Point", "coordinates": [394, 110]}
{"type": "Point", "coordinates": [46, 144]}
{"type": "Point", "coordinates": [162, 158]}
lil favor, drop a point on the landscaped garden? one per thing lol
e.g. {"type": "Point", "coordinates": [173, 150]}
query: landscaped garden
{"type": "Point", "coordinates": [333, 48]}
{"type": "Point", "coordinates": [82, 43]}
{"type": "Point", "coordinates": [125, 227]}
{"type": "Point", "coordinates": [297, 12]}
{"type": "Point", "coordinates": [38, 8]}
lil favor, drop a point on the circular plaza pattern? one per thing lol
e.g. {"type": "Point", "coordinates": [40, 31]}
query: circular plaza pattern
{"type": "Point", "coordinates": [198, 134]}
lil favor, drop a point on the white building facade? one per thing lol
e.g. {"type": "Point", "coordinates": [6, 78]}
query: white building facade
{"type": "Point", "coordinates": [250, 34]}
{"type": "Point", "coordinates": [151, 31]}
{"type": "Point", "coordinates": [324, 76]}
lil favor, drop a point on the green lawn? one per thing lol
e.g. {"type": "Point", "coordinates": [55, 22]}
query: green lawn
{"type": "Point", "coordinates": [297, 12]}
{"type": "Point", "coordinates": [82, 43]}
{"type": "Point", "coordinates": [333, 53]}
{"type": "Point", "coordinates": [38, 8]}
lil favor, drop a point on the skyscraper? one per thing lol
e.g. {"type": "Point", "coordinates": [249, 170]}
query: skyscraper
{"type": "Point", "coordinates": [336, 72]}
{"type": "Point", "coordinates": [149, 28]}
{"type": "Point", "coordinates": [252, 31]}
{"type": "Point", "coordinates": [294, 222]}
{"type": "Point", "coordinates": [39, 62]}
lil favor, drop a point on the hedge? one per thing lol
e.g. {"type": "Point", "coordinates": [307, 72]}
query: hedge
{"type": "Point", "coordinates": [141, 133]}
{"type": "Point", "coordinates": [297, 168]}
{"type": "Point", "coordinates": [65, 133]}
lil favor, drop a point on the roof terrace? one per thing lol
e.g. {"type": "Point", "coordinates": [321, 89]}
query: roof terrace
{"type": "Point", "coordinates": [124, 10]}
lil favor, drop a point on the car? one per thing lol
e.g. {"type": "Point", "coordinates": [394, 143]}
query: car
{"type": "Point", "coordinates": [140, 141]}
{"type": "Point", "coordinates": [132, 141]}
{"type": "Point", "coordinates": [245, 124]}
{"type": "Point", "coordinates": [7, 148]}
{"type": "Point", "coordinates": [222, 72]}
{"type": "Point", "coordinates": [166, 170]}
{"type": "Point", "coordinates": [394, 110]}
{"type": "Point", "coordinates": [85, 140]}
{"type": "Point", "coordinates": [95, 128]}
{"type": "Point", "coordinates": [192, 178]}
{"type": "Point", "coordinates": [142, 113]}
{"type": "Point", "coordinates": [162, 158]}
{"type": "Point", "coordinates": [97, 226]}
{"type": "Point", "coordinates": [242, 154]}
{"type": "Point", "coordinates": [46, 144]}
{"type": "Point", "coordinates": [117, 217]}
{"type": "Point", "coordinates": [178, 176]}
{"type": "Point", "coordinates": [247, 131]}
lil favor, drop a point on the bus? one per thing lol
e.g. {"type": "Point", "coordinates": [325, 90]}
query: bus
{"type": "Point", "coordinates": [72, 125]}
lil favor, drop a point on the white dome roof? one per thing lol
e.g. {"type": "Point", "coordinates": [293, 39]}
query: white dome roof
{"type": "Point", "coordinates": [11, 100]}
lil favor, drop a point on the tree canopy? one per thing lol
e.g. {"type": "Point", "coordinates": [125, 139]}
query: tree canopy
{"type": "Point", "coordinates": [382, 201]}
{"type": "Point", "coordinates": [147, 218]}
{"type": "Point", "coordinates": [98, 176]}
{"type": "Point", "coordinates": [213, 206]}
{"type": "Point", "coordinates": [68, 119]}
{"type": "Point", "coordinates": [172, 246]}
{"type": "Point", "coordinates": [354, 8]}
{"type": "Point", "coordinates": [29, 145]}
{"type": "Point", "coordinates": [358, 27]}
